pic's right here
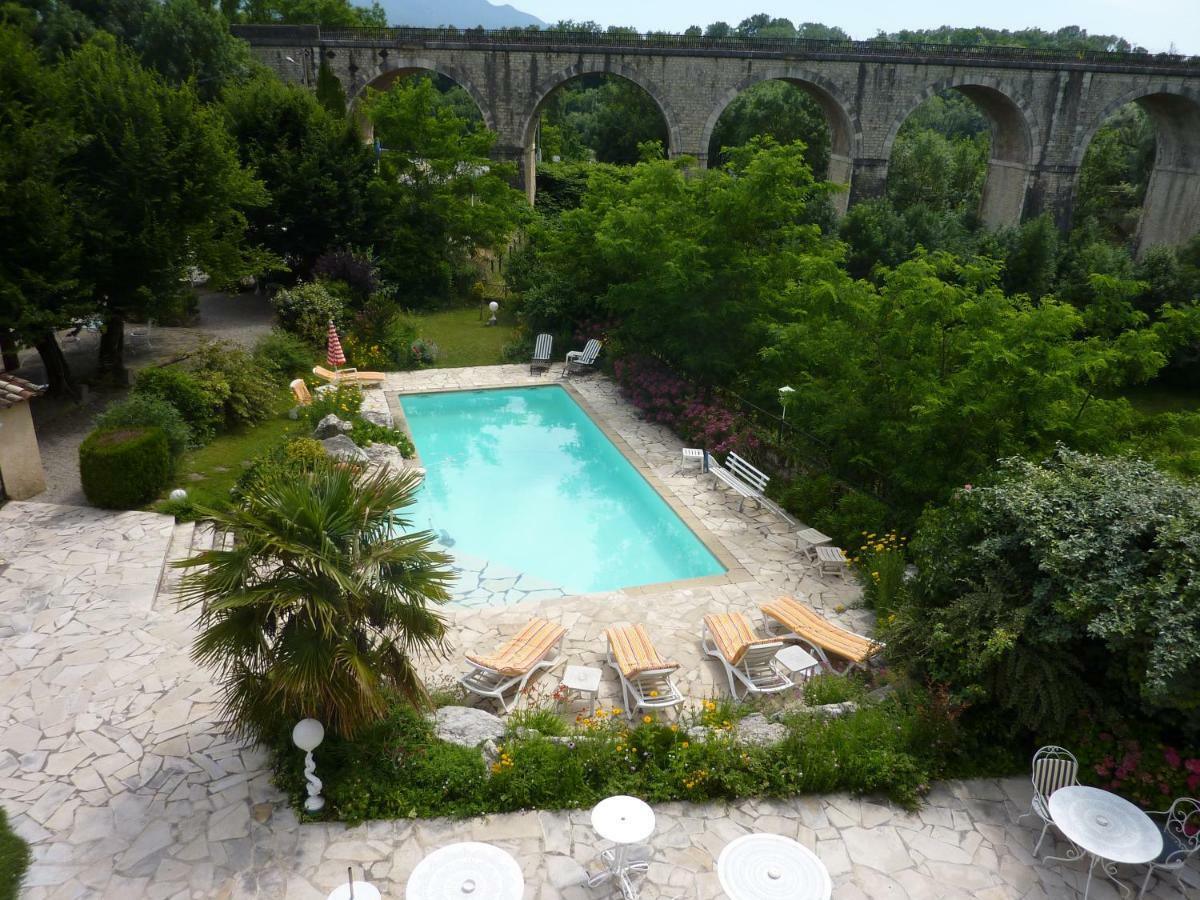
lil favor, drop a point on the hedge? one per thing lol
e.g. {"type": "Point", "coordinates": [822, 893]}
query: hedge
{"type": "Point", "coordinates": [124, 468]}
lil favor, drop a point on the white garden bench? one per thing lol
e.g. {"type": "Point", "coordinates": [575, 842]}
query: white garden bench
{"type": "Point", "coordinates": [748, 481]}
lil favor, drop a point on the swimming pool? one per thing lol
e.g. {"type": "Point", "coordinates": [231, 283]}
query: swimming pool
{"type": "Point", "coordinates": [524, 480]}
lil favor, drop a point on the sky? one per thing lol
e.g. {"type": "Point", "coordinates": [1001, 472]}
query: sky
{"type": "Point", "coordinates": [1157, 25]}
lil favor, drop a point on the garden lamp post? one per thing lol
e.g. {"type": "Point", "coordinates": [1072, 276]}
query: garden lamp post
{"type": "Point", "coordinates": [307, 735]}
{"type": "Point", "coordinates": [785, 396]}
{"type": "Point", "coordinates": [495, 308]}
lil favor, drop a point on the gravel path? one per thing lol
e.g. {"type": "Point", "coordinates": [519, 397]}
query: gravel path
{"type": "Point", "coordinates": [62, 425]}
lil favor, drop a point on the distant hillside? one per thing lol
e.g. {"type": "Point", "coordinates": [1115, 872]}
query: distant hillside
{"type": "Point", "coordinates": [460, 13]}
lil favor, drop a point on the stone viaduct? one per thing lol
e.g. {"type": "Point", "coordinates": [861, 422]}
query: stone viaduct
{"type": "Point", "coordinates": [1043, 106]}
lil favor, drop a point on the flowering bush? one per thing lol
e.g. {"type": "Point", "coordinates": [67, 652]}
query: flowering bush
{"type": "Point", "coordinates": [424, 352]}
{"type": "Point", "coordinates": [695, 415]}
{"type": "Point", "coordinates": [880, 566]}
{"type": "Point", "coordinates": [1145, 770]}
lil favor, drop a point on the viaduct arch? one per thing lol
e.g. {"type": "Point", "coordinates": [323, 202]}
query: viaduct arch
{"type": "Point", "coordinates": [1043, 106]}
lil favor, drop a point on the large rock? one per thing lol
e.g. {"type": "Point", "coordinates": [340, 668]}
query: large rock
{"type": "Point", "coordinates": [345, 450]}
{"type": "Point", "coordinates": [375, 409]}
{"type": "Point", "coordinates": [756, 730]}
{"type": "Point", "coordinates": [466, 726]}
{"type": "Point", "coordinates": [331, 426]}
{"type": "Point", "coordinates": [383, 456]}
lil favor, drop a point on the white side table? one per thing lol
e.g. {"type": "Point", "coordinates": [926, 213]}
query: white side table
{"type": "Point", "coordinates": [798, 661]}
{"type": "Point", "coordinates": [831, 561]}
{"type": "Point", "coordinates": [585, 681]}
{"type": "Point", "coordinates": [809, 539]}
{"type": "Point", "coordinates": [772, 867]}
{"type": "Point", "coordinates": [624, 821]}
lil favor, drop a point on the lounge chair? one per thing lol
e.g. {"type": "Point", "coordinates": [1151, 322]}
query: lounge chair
{"type": "Point", "coordinates": [747, 658]}
{"type": "Point", "coordinates": [582, 360]}
{"type": "Point", "coordinates": [537, 646]}
{"type": "Point", "coordinates": [300, 392]}
{"type": "Point", "coordinates": [541, 354]}
{"type": "Point", "coordinates": [352, 375]}
{"type": "Point", "coordinates": [789, 618]}
{"type": "Point", "coordinates": [645, 676]}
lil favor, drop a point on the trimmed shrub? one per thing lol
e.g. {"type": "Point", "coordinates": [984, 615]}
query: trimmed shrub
{"type": "Point", "coordinates": [283, 356]}
{"type": "Point", "coordinates": [14, 860]}
{"type": "Point", "coordinates": [124, 468]}
{"type": "Point", "coordinates": [306, 309]}
{"type": "Point", "coordinates": [200, 398]}
{"type": "Point", "coordinates": [147, 409]}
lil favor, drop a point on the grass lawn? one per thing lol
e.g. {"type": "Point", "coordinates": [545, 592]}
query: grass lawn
{"type": "Point", "coordinates": [464, 339]}
{"type": "Point", "coordinates": [221, 461]}
{"type": "Point", "coordinates": [14, 860]}
{"type": "Point", "coordinates": [1160, 398]}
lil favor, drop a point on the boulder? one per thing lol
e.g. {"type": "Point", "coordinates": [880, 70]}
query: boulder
{"type": "Point", "coordinates": [383, 456]}
{"type": "Point", "coordinates": [375, 409]}
{"type": "Point", "coordinates": [345, 450]}
{"type": "Point", "coordinates": [331, 426]}
{"type": "Point", "coordinates": [835, 710]}
{"type": "Point", "coordinates": [322, 389]}
{"type": "Point", "coordinates": [467, 726]}
{"type": "Point", "coordinates": [756, 730]}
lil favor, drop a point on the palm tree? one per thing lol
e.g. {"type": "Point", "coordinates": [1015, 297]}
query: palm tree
{"type": "Point", "coordinates": [321, 602]}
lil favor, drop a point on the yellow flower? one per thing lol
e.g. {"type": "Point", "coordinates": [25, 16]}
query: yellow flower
{"type": "Point", "coordinates": [617, 711]}
{"type": "Point", "coordinates": [654, 693]}
{"type": "Point", "coordinates": [709, 705]}
{"type": "Point", "coordinates": [685, 743]}
{"type": "Point", "coordinates": [647, 719]}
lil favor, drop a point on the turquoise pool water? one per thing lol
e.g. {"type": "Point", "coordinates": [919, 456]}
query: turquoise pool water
{"type": "Point", "coordinates": [524, 479]}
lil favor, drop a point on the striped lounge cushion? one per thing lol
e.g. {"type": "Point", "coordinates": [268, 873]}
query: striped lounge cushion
{"type": "Point", "coordinates": [633, 651]}
{"type": "Point", "coordinates": [732, 634]}
{"type": "Point", "coordinates": [525, 650]}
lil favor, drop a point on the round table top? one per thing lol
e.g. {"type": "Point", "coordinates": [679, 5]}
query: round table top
{"type": "Point", "coordinates": [772, 867]}
{"type": "Point", "coordinates": [363, 890]}
{"type": "Point", "coordinates": [623, 820]}
{"type": "Point", "coordinates": [1105, 825]}
{"type": "Point", "coordinates": [466, 871]}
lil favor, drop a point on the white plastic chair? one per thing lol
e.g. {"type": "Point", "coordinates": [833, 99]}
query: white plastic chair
{"type": "Point", "coordinates": [1181, 840]}
{"type": "Point", "coordinates": [1053, 768]}
{"type": "Point", "coordinates": [582, 360]}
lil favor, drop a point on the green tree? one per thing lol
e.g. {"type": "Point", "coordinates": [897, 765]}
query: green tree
{"type": "Point", "coordinates": [438, 195]}
{"type": "Point", "coordinates": [1059, 588]}
{"type": "Point", "coordinates": [314, 165]}
{"type": "Point", "coordinates": [326, 13]}
{"type": "Point", "coordinates": [330, 93]}
{"type": "Point", "coordinates": [321, 603]}
{"type": "Point", "coordinates": [184, 40]}
{"type": "Point", "coordinates": [605, 118]}
{"type": "Point", "coordinates": [778, 109]}
{"type": "Point", "coordinates": [40, 284]}
{"type": "Point", "coordinates": [157, 189]}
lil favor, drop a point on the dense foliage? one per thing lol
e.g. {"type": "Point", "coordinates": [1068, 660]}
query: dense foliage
{"type": "Point", "coordinates": [398, 768]}
{"type": "Point", "coordinates": [322, 601]}
{"type": "Point", "coordinates": [14, 860]}
{"type": "Point", "coordinates": [1058, 587]}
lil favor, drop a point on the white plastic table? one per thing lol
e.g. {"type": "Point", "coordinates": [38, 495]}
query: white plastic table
{"type": "Point", "coordinates": [466, 871]}
{"type": "Point", "coordinates": [362, 891]}
{"type": "Point", "coordinates": [585, 681]}
{"type": "Point", "coordinates": [772, 867]}
{"type": "Point", "coordinates": [1104, 827]}
{"type": "Point", "coordinates": [798, 661]}
{"type": "Point", "coordinates": [624, 821]}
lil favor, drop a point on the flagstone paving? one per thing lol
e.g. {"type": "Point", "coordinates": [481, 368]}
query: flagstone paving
{"type": "Point", "coordinates": [114, 767]}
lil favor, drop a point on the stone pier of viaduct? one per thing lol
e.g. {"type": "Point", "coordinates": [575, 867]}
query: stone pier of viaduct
{"type": "Point", "coordinates": [1044, 107]}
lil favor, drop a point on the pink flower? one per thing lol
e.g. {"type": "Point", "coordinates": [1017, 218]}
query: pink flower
{"type": "Point", "coordinates": [1192, 765]}
{"type": "Point", "coordinates": [1193, 782]}
{"type": "Point", "coordinates": [1171, 755]}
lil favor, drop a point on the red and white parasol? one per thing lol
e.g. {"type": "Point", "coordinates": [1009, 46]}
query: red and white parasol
{"type": "Point", "coordinates": [334, 355]}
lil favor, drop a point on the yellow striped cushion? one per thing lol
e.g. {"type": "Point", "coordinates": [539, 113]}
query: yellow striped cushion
{"type": "Point", "coordinates": [634, 652]}
{"type": "Point", "coordinates": [732, 634]}
{"type": "Point", "coordinates": [799, 619]}
{"type": "Point", "coordinates": [525, 650]}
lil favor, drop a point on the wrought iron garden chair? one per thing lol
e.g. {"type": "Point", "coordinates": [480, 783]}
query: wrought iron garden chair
{"type": "Point", "coordinates": [1053, 768]}
{"type": "Point", "coordinates": [1181, 840]}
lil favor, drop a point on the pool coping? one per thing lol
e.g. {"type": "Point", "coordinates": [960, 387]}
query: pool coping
{"type": "Point", "coordinates": [735, 572]}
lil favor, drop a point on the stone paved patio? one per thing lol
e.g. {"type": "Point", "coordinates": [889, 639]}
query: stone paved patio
{"type": "Point", "coordinates": [113, 766]}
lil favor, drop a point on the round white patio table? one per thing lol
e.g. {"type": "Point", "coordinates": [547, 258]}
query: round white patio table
{"type": "Point", "coordinates": [362, 891]}
{"type": "Point", "coordinates": [772, 867]}
{"type": "Point", "coordinates": [1104, 827]}
{"type": "Point", "coordinates": [624, 821]}
{"type": "Point", "coordinates": [466, 871]}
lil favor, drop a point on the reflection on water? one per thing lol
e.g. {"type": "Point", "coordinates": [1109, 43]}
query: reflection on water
{"type": "Point", "coordinates": [524, 478]}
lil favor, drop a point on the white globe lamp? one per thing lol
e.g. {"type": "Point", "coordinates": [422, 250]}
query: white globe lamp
{"type": "Point", "coordinates": [178, 494]}
{"type": "Point", "coordinates": [307, 735]}
{"type": "Point", "coordinates": [495, 308]}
